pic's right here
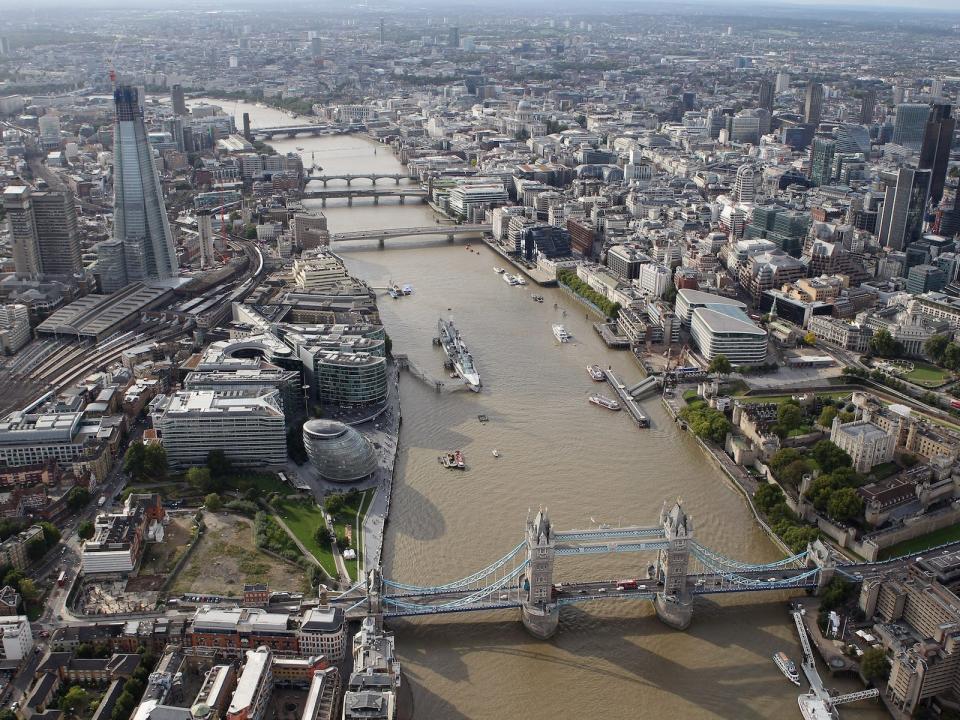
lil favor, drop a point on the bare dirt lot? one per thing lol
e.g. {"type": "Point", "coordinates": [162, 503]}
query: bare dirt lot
{"type": "Point", "coordinates": [227, 557]}
{"type": "Point", "coordinates": [159, 559]}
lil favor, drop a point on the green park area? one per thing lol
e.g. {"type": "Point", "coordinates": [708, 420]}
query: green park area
{"type": "Point", "coordinates": [919, 544]}
{"type": "Point", "coordinates": [927, 375]}
{"type": "Point", "coordinates": [303, 517]}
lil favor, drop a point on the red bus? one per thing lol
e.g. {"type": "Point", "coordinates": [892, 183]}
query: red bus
{"type": "Point", "coordinates": [627, 585]}
{"type": "Point", "coordinates": [62, 579]}
{"type": "Point", "coordinates": [955, 404]}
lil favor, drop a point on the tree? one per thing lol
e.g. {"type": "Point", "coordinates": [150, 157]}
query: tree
{"type": "Point", "coordinates": [323, 536]}
{"type": "Point", "coordinates": [936, 346]}
{"type": "Point", "coordinates": [793, 473]}
{"type": "Point", "coordinates": [28, 590]}
{"type": "Point", "coordinates": [783, 457]}
{"type": "Point", "coordinates": [799, 536]}
{"type": "Point", "coordinates": [334, 503]}
{"type": "Point", "coordinates": [343, 542]}
{"type": "Point", "coordinates": [789, 416]}
{"type": "Point", "coordinates": [251, 232]}
{"type": "Point", "coordinates": [706, 422]}
{"type": "Point", "coordinates": [212, 502]}
{"type": "Point", "coordinates": [767, 497]}
{"type": "Point", "coordinates": [219, 464]}
{"type": "Point", "coordinates": [951, 357]}
{"type": "Point", "coordinates": [199, 478]}
{"type": "Point", "coordinates": [85, 530]}
{"type": "Point", "coordinates": [883, 344]}
{"type": "Point", "coordinates": [827, 415]}
{"type": "Point", "coordinates": [720, 365]}
{"type": "Point", "coordinates": [77, 498]}
{"type": "Point", "coordinates": [75, 700]}
{"type": "Point", "coordinates": [810, 339]}
{"type": "Point", "coordinates": [829, 457]}
{"type": "Point", "coordinates": [155, 462]}
{"type": "Point", "coordinates": [8, 714]}
{"type": "Point", "coordinates": [134, 462]}
{"type": "Point", "coordinates": [874, 665]}
{"type": "Point", "coordinates": [821, 490]}
{"type": "Point", "coordinates": [844, 505]}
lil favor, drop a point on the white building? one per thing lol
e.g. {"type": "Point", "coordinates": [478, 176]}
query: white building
{"type": "Point", "coordinates": [321, 270]}
{"type": "Point", "coordinates": [464, 198]}
{"type": "Point", "coordinates": [254, 687]}
{"type": "Point", "coordinates": [17, 637]}
{"type": "Point", "coordinates": [654, 279]}
{"type": "Point", "coordinates": [14, 327]}
{"type": "Point", "coordinates": [323, 632]}
{"type": "Point", "coordinates": [248, 425]}
{"type": "Point", "coordinates": [727, 330]}
{"type": "Point", "coordinates": [866, 443]}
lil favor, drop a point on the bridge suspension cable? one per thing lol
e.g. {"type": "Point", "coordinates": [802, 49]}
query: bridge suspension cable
{"type": "Point", "coordinates": [461, 583]}
{"type": "Point", "coordinates": [472, 599]}
{"type": "Point", "coordinates": [712, 558]}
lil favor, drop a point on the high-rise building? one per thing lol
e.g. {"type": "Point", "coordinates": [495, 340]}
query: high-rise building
{"type": "Point", "coordinates": [868, 106]}
{"type": "Point", "coordinates": [909, 124]}
{"type": "Point", "coordinates": [316, 49]}
{"type": "Point", "coordinates": [381, 31]}
{"type": "Point", "coordinates": [110, 269]}
{"type": "Point", "coordinates": [454, 37]}
{"type": "Point", "coordinates": [901, 218]}
{"type": "Point", "coordinates": [139, 215]}
{"type": "Point", "coordinates": [813, 103]}
{"type": "Point", "coordinates": [4, 46]}
{"type": "Point", "coordinates": [44, 231]}
{"type": "Point", "coordinates": [783, 82]}
{"type": "Point", "coordinates": [745, 187]}
{"type": "Point", "coordinates": [49, 126]}
{"type": "Point", "coordinates": [205, 238]}
{"type": "Point", "coordinates": [765, 94]}
{"type": "Point", "coordinates": [822, 151]}
{"type": "Point", "coordinates": [935, 148]}
{"type": "Point", "coordinates": [178, 101]}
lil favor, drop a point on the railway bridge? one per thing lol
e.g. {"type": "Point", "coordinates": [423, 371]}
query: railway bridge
{"type": "Point", "coordinates": [350, 177]}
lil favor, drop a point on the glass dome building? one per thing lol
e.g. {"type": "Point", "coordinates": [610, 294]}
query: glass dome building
{"type": "Point", "coordinates": [338, 452]}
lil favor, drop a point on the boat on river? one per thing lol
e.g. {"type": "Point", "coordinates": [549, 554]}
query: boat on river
{"type": "Point", "coordinates": [604, 402]}
{"type": "Point", "coordinates": [561, 334]}
{"type": "Point", "coordinates": [596, 373]}
{"type": "Point", "coordinates": [460, 357]}
{"type": "Point", "coordinates": [787, 667]}
{"type": "Point", "coordinates": [453, 460]}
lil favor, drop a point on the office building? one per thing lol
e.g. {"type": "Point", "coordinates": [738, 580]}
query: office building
{"type": "Point", "coordinates": [935, 149]}
{"type": "Point", "coordinates": [110, 270]}
{"type": "Point", "coordinates": [654, 279]}
{"type": "Point", "coordinates": [247, 424]}
{"type": "Point", "coordinates": [49, 126]}
{"type": "Point", "coordinates": [745, 185]}
{"type": "Point", "coordinates": [323, 631]}
{"type": "Point", "coordinates": [205, 238]}
{"type": "Point", "coordinates": [17, 637]}
{"type": "Point", "coordinates": [626, 260]}
{"type": "Point", "coordinates": [254, 687]}
{"type": "Point", "coordinates": [813, 103]}
{"type": "Point", "coordinates": [178, 100]}
{"type": "Point", "coordinates": [868, 106]}
{"type": "Point", "coordinates": [822, 151]}
{"type": "Point", "coordinates": [348, 378]}
{"type": "Point", "coordinates": [544, 241]}
{"type": "Point", "coordinates": [338, 452]}
{"type": "Point", "coordinates": [901, 217]}
{"type": "Point", "coordinates": [765, 94]}
{"type": "Point", "coordinates": [909, 124]}
{"type": "Point", "coordinates": [119, 539]}
{"type": "Point", "coordinates": [725, 329]}
{"type": "Point", "coordinates": [852, 139]}
{"type": "Point", "coordinates": [453, 38]}
{"type": "Point", "coordinates": [140, 217]}
{"type": "Point", "coordinates": [43, 224]}
{"type": "Point", "coordinates": [465, 198]}
{"type": "Point", "coordinates": [925, 278]}
{"type": "Point", "coordinates": [14, 328]}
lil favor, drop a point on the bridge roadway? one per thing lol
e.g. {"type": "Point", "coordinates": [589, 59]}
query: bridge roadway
{"type": "Point", "coordinates": [350, 177]}
{"type": "Point", "coordinates": [376, 193]}
{"type": "Point", "coordinates": [388, 233]}
{"type": "Point", "coordinates": [310, 129]}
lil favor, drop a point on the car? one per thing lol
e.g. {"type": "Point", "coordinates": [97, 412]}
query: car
{"type": "Point", "coordinates": [582, 591]}
{"type": "Point", "coordinates": [504, 597]}
{"type": "Point", "coordinates": [771, 579]}
{"type": "Point", "coordinates": [603, 590]}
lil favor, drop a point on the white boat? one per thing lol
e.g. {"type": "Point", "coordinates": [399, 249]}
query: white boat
{"type": "Point", "coordinates": [520, 280]}
{"type": "Point", "coordinates": [561, 334]}
{"type": "Point", "coordinates": [510, 279]}
{"type": "Point", "coordinates": [787, 667]}
{"type": "Point", "coordinates": [499, 270]}
{"type": "Point", "coordinates": [816, 708]}
{"type": "Point", "coordinates": [604, 402]}
{"type": "Point", "coordinates": [496, 453]}
{"type": "Point", "coordinates": [596, 373]}
{"type": "Point", "coordinates": [407, 289]}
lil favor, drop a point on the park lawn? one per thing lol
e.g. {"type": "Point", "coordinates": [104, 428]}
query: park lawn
{"type": "Point", "coordinates": [780, 399]}
{"type": "Point", "coordinates": [919, 544]}
{"type": "Point", "coordinates": [347, 517]}
{"type": "Point", "coordinates": [266, 483]}
{"type": "Point", "coordinates": [927, 375]}
{"type": "Point", "coordinates": [303, 518]}
{"type": "Point", "coordinates": [690, 396]}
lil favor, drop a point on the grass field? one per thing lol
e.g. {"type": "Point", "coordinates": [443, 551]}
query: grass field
{"type": "Point", "coordinates": [226, 558]}
{"type": "Point", "coordinates": [347, 518]}
{"type": "Point", "coordinates": [908, 547]}
{"type": "Point", "coordinates": [927, 375]}
{"type": "Point", "coordinates": [303, 518]}
{"type": "Point", "coordinates": [779, 399]}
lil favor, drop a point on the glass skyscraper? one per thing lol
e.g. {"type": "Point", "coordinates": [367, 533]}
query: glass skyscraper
{"type": "Point", "coordinates": [909, 124]}
{"type": "Point", "coordinates": [139, 216]}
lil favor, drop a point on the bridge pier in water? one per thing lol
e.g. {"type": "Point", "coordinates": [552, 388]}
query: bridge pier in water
{"type": "Point", "coordinates": [539, 612]}
{"type": "Point", "coordinates": [674, 604]}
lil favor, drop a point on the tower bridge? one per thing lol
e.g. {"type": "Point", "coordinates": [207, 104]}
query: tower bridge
{"type": "Point", "coordinates": [679, 569]}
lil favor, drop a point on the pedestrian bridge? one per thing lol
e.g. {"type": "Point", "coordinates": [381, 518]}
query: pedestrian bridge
{"type": "Point", "coordinates": [679, 570]}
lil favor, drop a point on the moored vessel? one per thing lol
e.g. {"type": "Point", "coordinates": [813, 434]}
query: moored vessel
{"type": "Point", "coordinates": [499, 270]}
{"type": "Point", "coordinates": [596, 373]}
{"type": "Point", "coordinates": [604, 402]}
{"type": "Point", "coordinates": [787, 667]}
{"type": "Point", "coordinates": [456, 349]}
{"type": "Point", "coordinates": [813, 707]}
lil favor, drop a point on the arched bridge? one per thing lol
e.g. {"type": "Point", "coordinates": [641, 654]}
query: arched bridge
{"type": "Point", "coordinates": [376, 193]}
{"type": "Point", "coordinates": [350, 177]}
{"type": "Point", "coordinates": [267, 133]}
{"type": "Point", "coordinates": [524, 578]}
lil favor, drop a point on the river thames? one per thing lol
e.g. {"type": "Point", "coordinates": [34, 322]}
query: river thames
{"type": "Point", "coordinates": [585, 464]}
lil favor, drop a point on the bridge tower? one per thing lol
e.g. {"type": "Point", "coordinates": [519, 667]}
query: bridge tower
{"type": "Point", "coordinates": [375, 597]}
{"type": "Point", "coordinates": [674, 604]}
{"type": "Point", "coordinates": [538, 611]}
{"type": "Point", "coordinates": [819, 555]}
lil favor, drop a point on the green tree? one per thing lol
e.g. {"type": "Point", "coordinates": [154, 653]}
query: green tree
{"type": "Point", "coordinates": [200, 479]}
{"type": "Point", "coordinates": [793, 473]}
{"type": "Point", "coordinates": [844, 505]}
{"type": "Point", "coordinates": [75, 700]}
{"type": "Point", "coordinates": [8, 714]}
{"type": "Point", "coordinates": [343, 542]}
{"type": "Point", "coordinates": [212, 502]}
{"type": "Point", "coordinates": [783, 457]}
{"type": "Point", "coordinates": [219, 464]}
{"type": "Point", "coordinates": [767, 497]}
{"type": "Point", "coordinates": [323, 536]}
{"type": "Point", "coordinates": [85, 530]}
{"type": "Point", "coordinates": [829, 457]}
{"type": "Point", "coordinates": [883, 344]}
{"type": "Point", "coordinates": [821, 490]}
{"type": "Point", "coordinates": [936, 346]}
{"type": "Point", "coordinates": [334, 504]}
{"type": "Point", "coordinates": [789, 416]}
{"type": "Point", "coordinates": [134, 461]}
{"type": "Point", "coordinates": [251, 232]}
{"type": "Point", "coordinates": [28, 590]}
{"type": "Point", "coordinates": [810, 339]}
{"type": "Point", "coordinates": [77, 498]}
{"type": "Point", "coordinates": [720, 365]}
{"type": "Point", "coordinates": [827, 415]}
{"type": "Point", "coordinates": [874, 665]}
{"type": "Point", "coordinates": [799, 536]}
{"type": "Point", "coordinates": [155, 462]}
{"type": "Point", "coordinates": [951, 357]}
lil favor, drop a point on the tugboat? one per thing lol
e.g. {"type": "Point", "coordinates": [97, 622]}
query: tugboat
{"type": "Point", "coordinates": [452, 460]}
{"type": "Point", "coordinates": [605, 402]}
{"type": "Point", "coordinates": [510, 279]}
{"type": "Point", "coordinates": [787, 667]}
{"type": "Point", "coordinates": [597, 373]}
